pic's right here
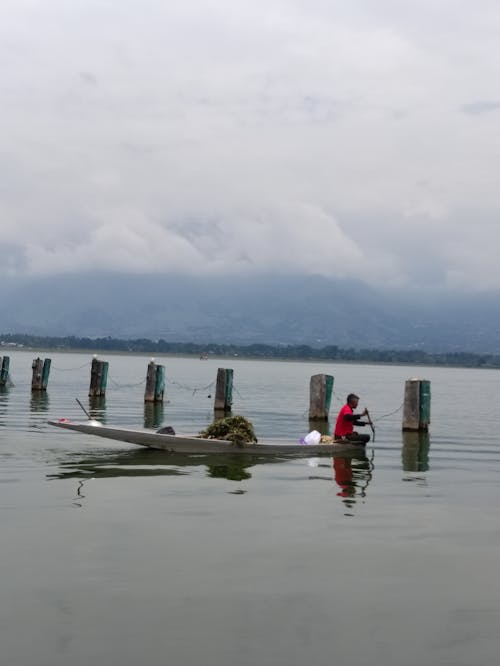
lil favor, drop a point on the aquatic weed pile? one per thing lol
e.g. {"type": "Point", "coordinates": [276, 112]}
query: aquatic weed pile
{"type": "Point", "coordinates": [236, 429]}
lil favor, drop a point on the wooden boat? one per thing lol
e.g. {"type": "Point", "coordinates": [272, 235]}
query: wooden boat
{"type": "Point", "coordinates": [199, 445]}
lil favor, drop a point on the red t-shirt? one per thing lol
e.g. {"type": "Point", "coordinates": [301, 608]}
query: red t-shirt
{"type": "Point", "coordinates": [343, 426]}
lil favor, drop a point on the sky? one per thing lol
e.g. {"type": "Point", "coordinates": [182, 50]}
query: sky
{"type": "Point", "coordinates": [339, 138]}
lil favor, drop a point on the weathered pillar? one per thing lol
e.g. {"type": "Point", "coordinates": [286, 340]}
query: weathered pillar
{"type": "Point", "coordinates": [417, 405]}
{"type": "Point", "coordinates": [155, 383]}
{"type": "Point", "coordinates": [224, 390]}
{"type": "Point", "coordinates": [98, 378]}
{"type": "Point", "coordinates": [320, 397]}
{"type": "Point", "coordinates": [4, 370]}
{"type": "Point", "coordinates": [41, 371]}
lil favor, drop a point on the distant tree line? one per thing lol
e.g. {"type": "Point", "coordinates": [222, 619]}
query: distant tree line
{"type": "Point", "coordinates": [291, 352]}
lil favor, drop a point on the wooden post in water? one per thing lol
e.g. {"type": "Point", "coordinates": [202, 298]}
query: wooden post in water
{"type": "Point", "coordinates": [40, 378]}
{"type": "Point", "coordinates": [155, 383]}
{"type": "Point", "coordinates": [4, 370]}
{"type": "Point", "coordinates": [224, 390]}
{"type": "Point", "coordinates": [36, 379]}
{"type": "Point", "coordinates": [98, 378]}
{"type": "Point", "coordinates": [320, 397]}
{"type": "Point", "coordinates": [417, 405]}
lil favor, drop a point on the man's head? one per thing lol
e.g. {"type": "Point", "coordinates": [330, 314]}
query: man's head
{"type": "Point", "coordinates": [352, 400]}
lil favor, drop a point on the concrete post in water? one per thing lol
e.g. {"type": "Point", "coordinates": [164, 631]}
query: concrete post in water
{"type": "Point", "coordinates": [40, 378]}
{"type": "Point", "coordinates": [98, 378]}
{"type": "Point", "coordinates": [155, 383]}
{"type": "Point", "coordinates": [4, 370]}
{"type": "Point", "coordinates": [320, 397]}
{"type": "Point", "coordinates": [224, 390]}
{"type": "Point", "coordinates": [417, 405]}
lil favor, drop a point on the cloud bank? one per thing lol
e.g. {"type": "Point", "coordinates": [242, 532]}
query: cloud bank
{"type": "Point", "coordinates": [223, 137]}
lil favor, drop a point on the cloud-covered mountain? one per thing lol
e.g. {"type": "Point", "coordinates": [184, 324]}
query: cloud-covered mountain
{"type": "Point", "coordinates": [267, 309]}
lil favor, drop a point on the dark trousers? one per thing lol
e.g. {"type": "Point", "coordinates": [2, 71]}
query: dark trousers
{"type": "Point", "coordinates": [356, 437]}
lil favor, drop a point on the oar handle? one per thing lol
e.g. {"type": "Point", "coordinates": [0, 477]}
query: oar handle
{"type": "Point", "coordinates": [370, 423]}
{"type": "Point", "coordinates": [86, 412]}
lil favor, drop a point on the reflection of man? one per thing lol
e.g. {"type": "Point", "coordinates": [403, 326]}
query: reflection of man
{"type": "Point", "coordinates": [343, 476]}
{"type": "Point", "coordinates": [346, 420]}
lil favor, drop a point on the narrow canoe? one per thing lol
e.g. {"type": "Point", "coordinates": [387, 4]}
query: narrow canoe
{"type": "Point", "coordinates": [200, 445]}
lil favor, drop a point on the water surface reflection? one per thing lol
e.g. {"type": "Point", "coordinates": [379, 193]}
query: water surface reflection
{"type": "Point", "coordinates": [153, 414]}
{"type": "Point", "coordinates": [415, 451]}
{"type": "Point", "coordinates": [40, 402]}
{"type": "Point", "coordinates": [108, 464]}
{"type": "Point", "coordinates": [149, 462]}
{"type": "Point", "coordinates": [4, 394]}
{"type": "Point", "coordinates": [97, 408]}
{"type": "Point", "coordinates": [353, 476]}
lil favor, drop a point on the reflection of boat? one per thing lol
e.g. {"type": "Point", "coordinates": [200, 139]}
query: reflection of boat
{"type": "Point", "coordinates": [145, 462]}
{"type": "Point", "coordinates": [193, 444]}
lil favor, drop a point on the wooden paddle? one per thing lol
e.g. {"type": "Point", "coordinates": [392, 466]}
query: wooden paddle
{"type": "Point", "coordinates": [370, 423]}
{"type": "Point", "coordinates": [86, 412]}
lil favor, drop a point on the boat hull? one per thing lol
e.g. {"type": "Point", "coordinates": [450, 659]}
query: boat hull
{"type": "Point", "coordinates": [199, 445]}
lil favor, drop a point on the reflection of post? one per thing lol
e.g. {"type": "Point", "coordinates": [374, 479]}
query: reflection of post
{"type": "Point", "coordinates": [417, 405]}
{"type": "Point", "coordinates": [153, 414]}
{"type": "Point", "coordinates": [415, 452]}
{"type": "Point", "coordinates": [97, 408]}
{"type": "Point", "coordinates": [224, 390]}
{"type": "Point", "coordinates": [39, 401]}
{"type": "Point", "coordinates": [320, 397]}
{"type": "Point", "coordinates": [321, 426]}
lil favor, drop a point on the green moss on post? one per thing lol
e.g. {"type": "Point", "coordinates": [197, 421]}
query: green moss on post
{"type": "Point", "coordinates": [425, 404]}
{"type": "Point", "coordinates": [45, 373]}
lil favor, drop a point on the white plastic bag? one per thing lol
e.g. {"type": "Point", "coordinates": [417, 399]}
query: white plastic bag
{"type": "Point", "coordinates": [313, 437]}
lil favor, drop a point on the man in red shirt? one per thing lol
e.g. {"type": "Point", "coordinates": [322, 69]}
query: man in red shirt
{"type": "Point", "coordinates": [346, 420]}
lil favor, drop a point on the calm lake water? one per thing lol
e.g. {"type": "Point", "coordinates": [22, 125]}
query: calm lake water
{"type": "Point", "coordinates": [113, 554]}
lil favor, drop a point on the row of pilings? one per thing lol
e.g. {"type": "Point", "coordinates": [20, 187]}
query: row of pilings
{"type": "Point", "coordinates": [416, 404]}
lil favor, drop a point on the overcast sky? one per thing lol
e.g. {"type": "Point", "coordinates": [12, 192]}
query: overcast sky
{"type": "Point", "coordinates": [353, 137]}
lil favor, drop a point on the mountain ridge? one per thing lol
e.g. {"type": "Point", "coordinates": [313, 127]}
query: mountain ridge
{"type": "Point", "coordinates": [268, 309]}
